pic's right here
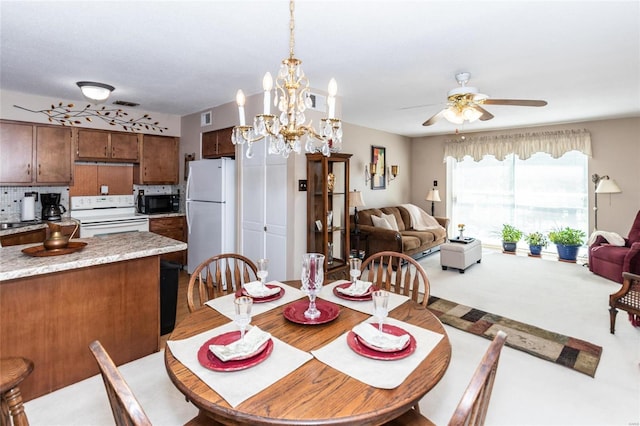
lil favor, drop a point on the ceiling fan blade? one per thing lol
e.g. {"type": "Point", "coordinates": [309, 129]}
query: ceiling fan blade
{"type": "Point", "coordinates": [486, 115]}
{"type": "Point", "coordinates": [516, 102]}
{"type": "Point", "coordinates": [433, 119]}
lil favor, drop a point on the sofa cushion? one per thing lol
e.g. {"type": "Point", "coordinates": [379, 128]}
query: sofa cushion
{"type": "Point", "coordinates": [380, 222]}
{"type": "Point", "coordinates": [392, 221]}
{"type": "Point", "coordinates": [395, 211]}
{"type": "Point", "coordinates": [410, 242]}
{"type": "Point", "coordinates": [425, 237]}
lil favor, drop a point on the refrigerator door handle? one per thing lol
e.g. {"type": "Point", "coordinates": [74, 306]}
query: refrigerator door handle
{"type": "Point", "coordinates": [187, 213]}
{"type": "Point", "coordinates": [188, 189]}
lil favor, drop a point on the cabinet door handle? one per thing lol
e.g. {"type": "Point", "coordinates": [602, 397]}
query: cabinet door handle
{"type": "Point", "coordinates": [105, 151]}
{"type": "Point", "coordinates": [39, 169]}
{"type": "Point", "coordinates": [28, 169]}
{"type": "Point", "coordinates": [265, 229]}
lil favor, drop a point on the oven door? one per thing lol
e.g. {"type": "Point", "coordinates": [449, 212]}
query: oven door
{"type": "Point", "coordinates": [94, 229]}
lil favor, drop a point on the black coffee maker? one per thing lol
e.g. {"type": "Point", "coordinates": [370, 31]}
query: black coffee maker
{"type": "Point", "coordinates": [51, 208]}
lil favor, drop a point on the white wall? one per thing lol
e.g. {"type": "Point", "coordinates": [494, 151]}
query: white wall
{"type": "Point", "coordinates": [9, 111]}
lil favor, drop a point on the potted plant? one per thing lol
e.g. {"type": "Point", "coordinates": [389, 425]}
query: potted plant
{"type": "Point", "coordinates": [510, 237]}
{"type": "Point", "coordinates": [568, 241]}
{"type": "Point", "coordinates": [537, 241]}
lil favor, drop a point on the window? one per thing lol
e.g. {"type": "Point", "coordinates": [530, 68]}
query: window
{"type": "Point", "coordinates": [537, 194]}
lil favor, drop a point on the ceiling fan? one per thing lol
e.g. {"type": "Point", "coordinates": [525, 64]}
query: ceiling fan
{"type": "Point", "coordinates": [464, 103]}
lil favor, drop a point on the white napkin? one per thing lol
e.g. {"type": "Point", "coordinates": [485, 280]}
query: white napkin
{"type": "Point", "coordinates": [253, 339]}
{"type": "Point", "coordinates": [386, 341]}
{"type": "Point", "coordinates": [256, 289]}
{"type": "Point", "coordinates": [358, 289]}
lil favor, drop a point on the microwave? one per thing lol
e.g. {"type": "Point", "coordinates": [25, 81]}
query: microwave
{"type": "Point", "coordinates": [159, 203]}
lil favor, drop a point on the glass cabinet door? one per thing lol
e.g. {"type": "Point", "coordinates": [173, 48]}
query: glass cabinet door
{"type": "Point", "coordinates": [328, 211]}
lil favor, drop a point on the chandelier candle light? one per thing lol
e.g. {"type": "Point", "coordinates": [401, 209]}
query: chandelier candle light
{"type": "Point", "coordinates": [284, 132]}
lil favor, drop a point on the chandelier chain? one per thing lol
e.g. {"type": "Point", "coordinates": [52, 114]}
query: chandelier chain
{"type": "Point", "coordinates": [292, 26]}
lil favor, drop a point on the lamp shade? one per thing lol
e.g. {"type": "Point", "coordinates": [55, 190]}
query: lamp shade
{"type": "Point", "coordinates": [608, 186]}
{"type": "Point", "coordinates": [355, 199]}
{"type": "Point", "coordinates": [98, 92]}
{"type": "Point", "coordinates": [433, 195]}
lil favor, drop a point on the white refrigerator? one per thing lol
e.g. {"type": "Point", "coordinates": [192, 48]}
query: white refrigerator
{"type": "Point", "coordinates": [211, 209]}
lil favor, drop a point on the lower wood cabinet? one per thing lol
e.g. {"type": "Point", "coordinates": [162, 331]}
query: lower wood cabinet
{"type": "Point", "coordinates": [27, 237]}
{"type": "Point", "coordinates": [172, 227]}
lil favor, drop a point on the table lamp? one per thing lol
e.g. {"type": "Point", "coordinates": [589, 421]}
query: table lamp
{"type": "Point", "coordinates": [433, 195]}
{"type": "Point", "coordinates": [355, 201]}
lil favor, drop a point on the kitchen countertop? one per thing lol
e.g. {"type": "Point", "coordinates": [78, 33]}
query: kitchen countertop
{"type": "Point", "coordinates": [43, 224]}
{"type": "Point", "coordinates": [99, 250]}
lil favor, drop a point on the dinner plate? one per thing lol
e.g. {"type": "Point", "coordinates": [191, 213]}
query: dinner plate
{"type": "Point", "coordinates": [364, 297]}
{"type": "Point", "coordinates": [294, 312]}
{"type": "Point", "coordinates": [209, 360]}
{"type": "Point", "coordinates": [267, 298]}
{"type": "Point", "coordinates": [367, 350]}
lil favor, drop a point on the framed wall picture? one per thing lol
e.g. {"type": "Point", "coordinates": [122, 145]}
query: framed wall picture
{"type": "Point", "coordinates": [378, 157]}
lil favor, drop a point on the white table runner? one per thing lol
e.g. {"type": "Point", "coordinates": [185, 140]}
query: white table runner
{"type": "Point", "coordinates": [365, 306]}
{"type": "Point", "coordinates": [224, 304]}
{"type": "Point", "coordinates": [237, 386]}
{"type": "Point", "coordinates": [377, 373]}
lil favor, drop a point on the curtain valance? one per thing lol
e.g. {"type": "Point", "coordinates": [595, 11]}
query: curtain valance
{"type": "Point", "coordinates": [555, 143]}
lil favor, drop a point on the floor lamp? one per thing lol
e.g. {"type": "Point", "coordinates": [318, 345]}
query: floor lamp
{"type": "Point", "coordinates": [433, 195]}
{"type": "Point", "coordinates": [603, 185]}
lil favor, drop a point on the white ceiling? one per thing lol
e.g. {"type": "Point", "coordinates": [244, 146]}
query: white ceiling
{"type": "Point", "coordinates": [180, 57]}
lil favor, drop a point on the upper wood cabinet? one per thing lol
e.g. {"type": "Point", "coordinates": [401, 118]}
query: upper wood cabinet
{"type": "Point", "coordinates": [102, 145]}
{"type": "Point", "coordinates": [158, 161]}
{"type": "Point", "coordinates": [88, 178]}
{"type": "Point", "coordinates": [218, 144]}
{"type": "Point", "coordinates": [35, 154]}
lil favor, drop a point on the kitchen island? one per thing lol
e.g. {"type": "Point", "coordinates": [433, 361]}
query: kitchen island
{"type": "Point", "coordinates": [52, 307]}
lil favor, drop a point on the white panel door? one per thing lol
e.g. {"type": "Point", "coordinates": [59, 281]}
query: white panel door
{"type": "Point", "coordinates": [264, 210]}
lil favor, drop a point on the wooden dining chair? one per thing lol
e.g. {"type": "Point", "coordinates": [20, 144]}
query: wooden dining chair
{"type": "Point", "coordinates": [13, 371]}
{"type": "Point", "coordinates": [472, 408]}
{"type": "Point", "coordinates": [627, 299]}
{"type": "Point", "coordinates": [124, 405]}
{"type": "Point", "coordinates": [126, 409]}
{"type": "Point", "coordinates": [219, 275]}
{"type": "Point", "coordinates": [408, 279]}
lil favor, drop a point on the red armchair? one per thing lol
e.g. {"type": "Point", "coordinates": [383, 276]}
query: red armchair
{"type": "Point", "coordinates": [611, 261]}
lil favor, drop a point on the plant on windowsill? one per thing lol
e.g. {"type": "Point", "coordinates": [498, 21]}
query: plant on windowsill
{"type": "Point", "coordinates": [510, 237]}
{"type": "Point", "coordinates": [568, 241]}
{"type": "Point", "coordinates": [537, 241]}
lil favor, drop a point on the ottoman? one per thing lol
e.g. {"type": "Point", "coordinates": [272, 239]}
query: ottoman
{"type": "Point", "coordinates": [460, 255]}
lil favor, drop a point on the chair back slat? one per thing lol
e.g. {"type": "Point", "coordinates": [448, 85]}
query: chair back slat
{"type": "Point", "coordinates": [398, 273]}
{"type": "Point", "coordinates": [225, 273]}
{"type": "Point", "coordinates": [472, 408]}
{"type": "Point", "coordinates": [126, 409]}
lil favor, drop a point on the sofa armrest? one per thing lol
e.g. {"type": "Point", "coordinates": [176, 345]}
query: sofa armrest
{"type": "Point", "coordinates": [380, 239]}
{"type": "Point", "coordinates": [631, 261]}
{"type": "Point", "coordinates": [444, 222]}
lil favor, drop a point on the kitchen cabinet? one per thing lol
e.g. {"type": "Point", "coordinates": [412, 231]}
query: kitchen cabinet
{"type": "Point", "coordinates": [88, 178]}
{"type": "Point", "coordinates": [35, 154]}
{"type": "Point", "coordinates": [26, 237]}
{"type": "Point", "coordinates": [100, 145]}
{"type": "Point", "coordinates": [158, 161]}
{"type": "Point", "coordinates": [172, 227]}
{"type": "Point", "coordinates": [328, 211]}
{"type": "Point", "coordinates": [218, 144]}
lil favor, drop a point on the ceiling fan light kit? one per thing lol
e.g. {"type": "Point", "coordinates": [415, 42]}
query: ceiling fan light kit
{"type": "Point", "coordinates": [464, 103]}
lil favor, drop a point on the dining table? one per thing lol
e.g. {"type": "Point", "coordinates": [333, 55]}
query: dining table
{"type": "Point", "coordinates": [313, 375]}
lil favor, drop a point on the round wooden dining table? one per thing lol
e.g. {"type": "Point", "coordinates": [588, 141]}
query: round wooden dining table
{"type": "Point", "coordinates": [313, 394]}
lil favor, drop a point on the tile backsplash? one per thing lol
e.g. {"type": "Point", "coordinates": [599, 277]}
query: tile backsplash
{"type": "Point", "coordinates": [11, 197]}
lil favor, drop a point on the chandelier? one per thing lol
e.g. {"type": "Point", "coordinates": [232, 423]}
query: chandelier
{"type": "Point", "coordinates": [284, 132]}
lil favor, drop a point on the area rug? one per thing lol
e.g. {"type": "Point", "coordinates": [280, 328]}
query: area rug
{"type": "Point", "coordinates": [576, 354]}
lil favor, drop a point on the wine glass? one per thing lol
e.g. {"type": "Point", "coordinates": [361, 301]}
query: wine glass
{"type": "Point", "coordinates": [312, 278]}
{"type": "Point", "coordinates": [354, 269]}
{"type": "Point", "coordinates": [242, 317]}
{"type": "Point", "coordinates": [380, 306]}
{"type": "Point", "coordinates": [263, 266]}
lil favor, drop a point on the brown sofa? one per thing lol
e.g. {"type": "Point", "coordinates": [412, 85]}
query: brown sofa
{"type": "Point", "coordinates": [406, 240]}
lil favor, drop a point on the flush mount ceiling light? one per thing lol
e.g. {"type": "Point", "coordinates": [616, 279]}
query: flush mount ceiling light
{"type": "Point", "coordinates": [98, 92]}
